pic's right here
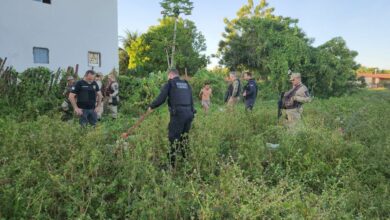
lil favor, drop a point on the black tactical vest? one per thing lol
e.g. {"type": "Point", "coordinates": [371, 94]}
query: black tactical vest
{"type": "Point", "coordinates": [252, 82]}
{"type": "Point", "coordinates": [180, 93]}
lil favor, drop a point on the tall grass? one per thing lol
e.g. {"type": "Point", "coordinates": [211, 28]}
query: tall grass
{"type": "Point", "coordinates": [335, 167]}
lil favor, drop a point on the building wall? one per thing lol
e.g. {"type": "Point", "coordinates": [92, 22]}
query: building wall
{"type": "Point", "coordinates": [375, 82]}
{"type": "Point", "coordinates": [68, 28]}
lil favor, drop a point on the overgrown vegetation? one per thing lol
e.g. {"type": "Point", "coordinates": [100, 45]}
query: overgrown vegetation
{"type": "Point", "coordinates": [270, 45]}
{"type": "Point", "coordinates": [34, 92]}
{"type": "Point", "coordinates": [38, 91]}
{"type": "Point", "coordinates": [336, 167]}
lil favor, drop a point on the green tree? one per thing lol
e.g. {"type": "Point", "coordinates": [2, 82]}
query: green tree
{"type": "Point", "coordinates": [264, 43]}
{"type": "Point", "coordinates": [271, 45]}
{"type": "Point", "coordinates": [150, 52]}
{"type": "Point", "coordinates": [173, 8]}
{"type": "Point", "coordinates": [332, 68]}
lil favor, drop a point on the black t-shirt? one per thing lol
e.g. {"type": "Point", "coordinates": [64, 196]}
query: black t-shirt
{"type": "Point", "coordinates": [86, 94]}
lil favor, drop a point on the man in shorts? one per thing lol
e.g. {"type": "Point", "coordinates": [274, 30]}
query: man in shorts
{"type": "Point", "coordinates": [205, 93]}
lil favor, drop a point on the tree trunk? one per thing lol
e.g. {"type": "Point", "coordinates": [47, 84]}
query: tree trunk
{"type": "Point", "coordinates": [173, 64]}
{"type": "Point", "coordinates": [169, 64]}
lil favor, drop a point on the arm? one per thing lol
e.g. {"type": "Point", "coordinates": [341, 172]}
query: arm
{"type": "Point", "coordinates": [302, 99]}
{"type": "Point", "coordinates": [302, 96]}
{"type": "Point", "coordinates": [192, 101]}
{"type": "Point", "coordinates": [72, 99]}
{"type": "Point", "coordinates": [161, 97]}
{"type": "Point", "coordinates": [245, 92]}
{"type": "Point", "coordinates": [115, 87]}
{"type": "Point", "coordinates": [99, 98]}
{"type": "Point", "coordinates": [235, 88]}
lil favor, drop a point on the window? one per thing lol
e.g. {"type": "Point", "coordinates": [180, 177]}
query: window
{"type": "Point", "coordinates": [94, 59]}
{"type": "Point", "coordinates": [41, 55]}
{"type": "Point", "coordinates": [44, 1]}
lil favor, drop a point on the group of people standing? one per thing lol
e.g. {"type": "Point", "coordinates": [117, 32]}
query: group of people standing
{"type": "Point", "coordinates": [89, 98]}
{"type": "Point", "coordinates": [178, 92]}
{"type": "Point", "coordinates": [233, 93]}
{"type": "Point", "coordinates": [86, 95]}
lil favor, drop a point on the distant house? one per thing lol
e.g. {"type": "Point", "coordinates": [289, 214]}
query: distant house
{"type": "Point", "coordinates": [375, 80]}
{"type": "Point", "coordinates": [59, 33]}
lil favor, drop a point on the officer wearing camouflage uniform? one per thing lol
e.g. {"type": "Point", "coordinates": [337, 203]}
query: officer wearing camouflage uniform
{"type": "Point", "coordinates": [234, 90]}
{"type": "Point", "coordinates": [98, 80]}
{"type": "Point", "coordinates": [181, 108]}
{"type": "Point", "coordinates": [293, 101]}
{"type": "Point", "coordinates": [66, 105]}
{"type": "Point", "coordinates": [111, 96]}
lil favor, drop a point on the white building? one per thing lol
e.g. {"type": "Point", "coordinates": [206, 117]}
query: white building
{"type": "Point", "coordinates": [59, 33]}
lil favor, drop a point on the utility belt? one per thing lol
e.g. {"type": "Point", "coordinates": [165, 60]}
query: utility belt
{"type": "Point", "coordinates": [115, 101]}
{"type": "Point", "coordinates": [175, 109]}
{"type": "Point", "coordinates": [295, 106]}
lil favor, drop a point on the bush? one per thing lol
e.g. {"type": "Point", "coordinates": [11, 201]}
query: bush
{"type": "Point", "coordinates": [216, 81]}
{"type": "Point", "coordinates": [321, 172]}
{"type": "Point", "coordinates": [137, 93]}
{"type": "Point", "coordinates": [34, 92]}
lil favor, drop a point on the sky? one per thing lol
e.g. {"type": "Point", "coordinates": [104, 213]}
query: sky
{"type": "Point", "coordinates": [364, 24]}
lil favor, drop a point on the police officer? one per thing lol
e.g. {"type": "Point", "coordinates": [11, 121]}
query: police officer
{"type": "Point", "coordinates": [181, 108]}
{"type": "Point", "coordinates": [111, 96]}
{"type": "Point", "coordinates": [88, 99]}
{"type": "Point", "coordinates": [294, 99]}
{"type": "Point", "coordinates": [66, 105]}
{"type": "Point", "coordinates": [234, 90]}
{"type": "Point", "coordinates": [98, 80]}
{"type": "Point", "coordinates": [250, 91]}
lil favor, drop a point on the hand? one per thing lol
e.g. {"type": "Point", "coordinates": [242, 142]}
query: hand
{"type": "Point", "coordinates": [97, 109]}
{"type": "Point", "coordinates": [78, 111]}
{"type": "Point", "coordinates": [244, 94]}
{"type": "Point", "coordinates": [125, 135]}
{"type": "Point", "coordinates": [150, 110]}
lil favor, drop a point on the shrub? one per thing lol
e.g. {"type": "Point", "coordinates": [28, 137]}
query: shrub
{"type": "Point", "coordinates": [321, 172]}
{"type": "Point", "coordinates": [216, 81]}
{"type": "Point", "coordinates": [34, 92]}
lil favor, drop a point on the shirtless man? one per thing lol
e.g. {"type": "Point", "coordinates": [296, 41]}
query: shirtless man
{"type": "Point", "coordinates": [206, 93]}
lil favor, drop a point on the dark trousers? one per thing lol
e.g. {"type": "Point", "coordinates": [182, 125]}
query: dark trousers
{"type": "Point", "coordinates": [249, 103]}
{"type": "Point", "coordinates": [179, 126]}
{"type": "Point", "coordinates": [88, 116]}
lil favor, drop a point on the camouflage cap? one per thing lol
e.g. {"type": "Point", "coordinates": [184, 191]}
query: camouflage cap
{"type": "Point", "coordinates": [295, 75]}
{"type": "Point", "coordinates": [99, 74]}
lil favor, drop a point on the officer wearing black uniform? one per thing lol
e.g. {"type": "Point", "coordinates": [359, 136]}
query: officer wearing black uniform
{"type": "Point", "coordinates": [88, 99]}
{"type": "Point", "coordinates": [181, 108]}
{"type": "Point", "coordinates": [250, 91]}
